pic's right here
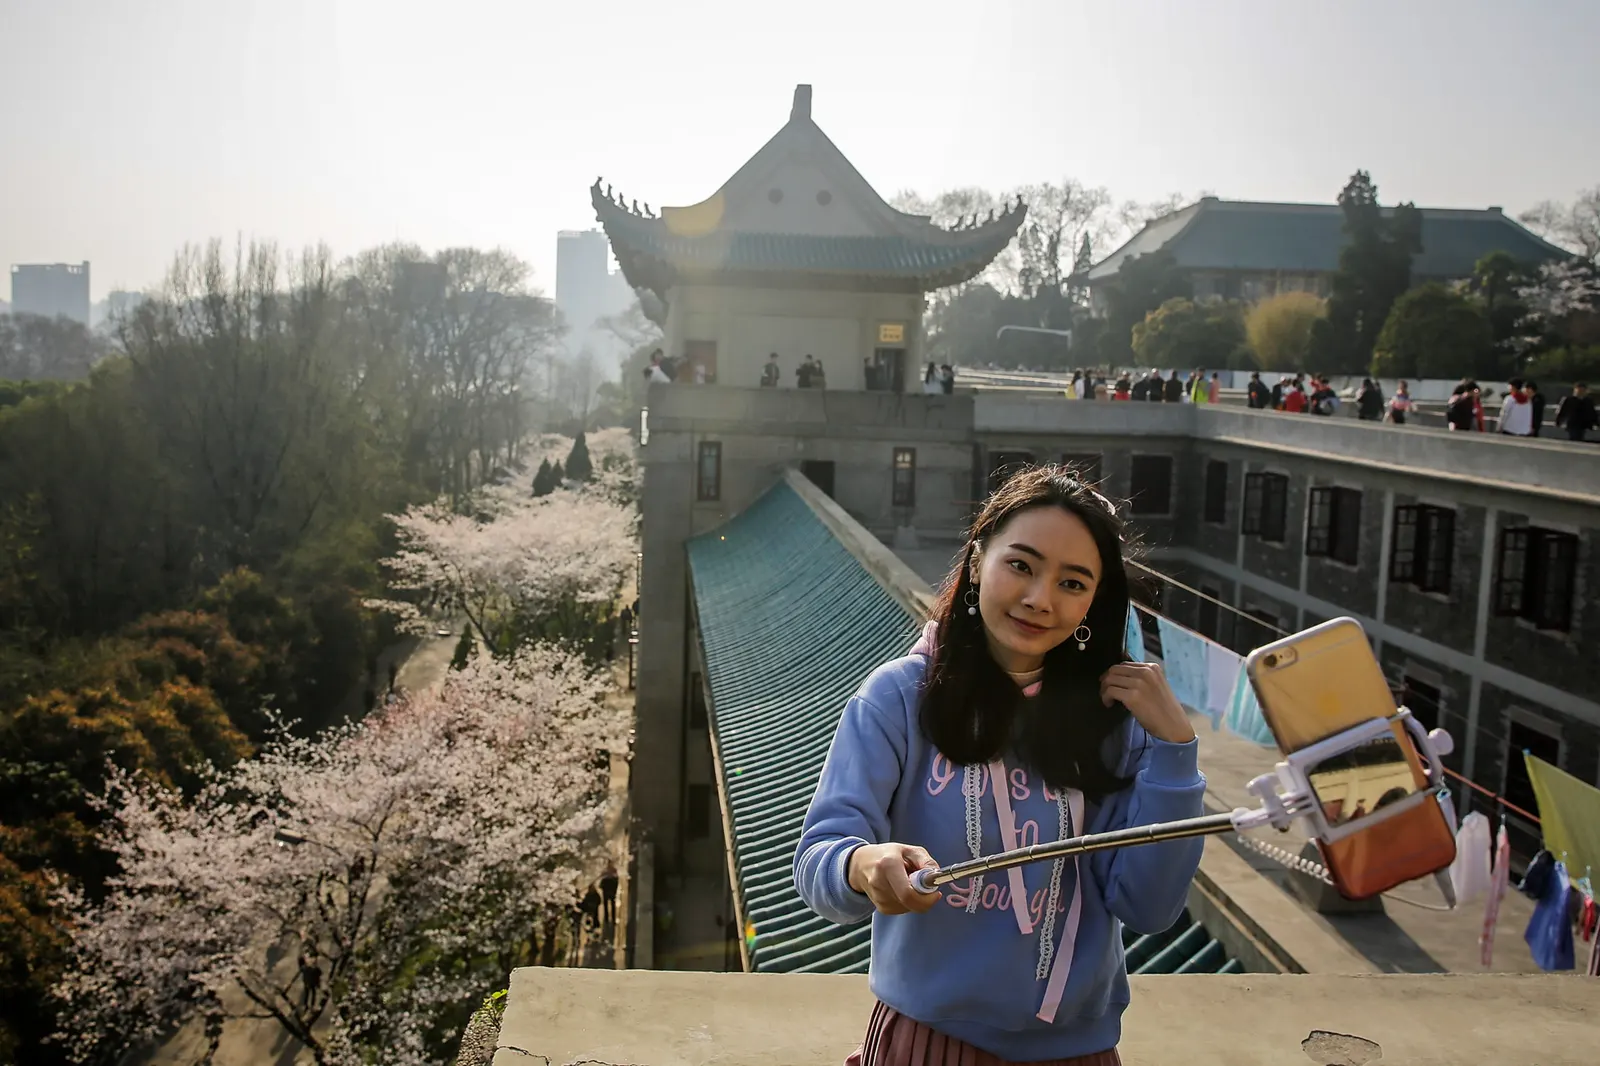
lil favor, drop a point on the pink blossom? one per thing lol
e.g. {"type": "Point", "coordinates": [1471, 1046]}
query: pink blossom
{"type": "Point", "coordinates": [520, 556]}
{"type": "Point", "coordinates": [438, 829]}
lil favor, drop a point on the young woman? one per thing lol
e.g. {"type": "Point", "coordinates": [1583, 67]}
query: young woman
{"type": "Point", "coordinates": [1016, 719]}
{"type": "Point", "coordinates": [1400, 404]}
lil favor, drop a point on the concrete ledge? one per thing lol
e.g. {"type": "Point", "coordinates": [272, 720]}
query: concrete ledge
{"type": "Point", "coordinates": [1269, 930]}
{"type": "Point", "coordinates": [558, 1016]}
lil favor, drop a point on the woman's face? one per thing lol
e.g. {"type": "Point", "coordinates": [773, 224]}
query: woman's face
{"type": "Point", "coordinates": [1036, 577]}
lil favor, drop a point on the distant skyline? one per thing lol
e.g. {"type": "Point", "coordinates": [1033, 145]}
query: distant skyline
{"type": "Point", "coordinates": [136, 128]}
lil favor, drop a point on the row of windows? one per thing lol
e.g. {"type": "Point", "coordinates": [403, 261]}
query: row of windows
{"type": "Point", "coordinates": [1536, 567]}
{"type": "Point", "coordinates": [708, 474]}
{"type": "Point", "coordinates": [1149, 478]}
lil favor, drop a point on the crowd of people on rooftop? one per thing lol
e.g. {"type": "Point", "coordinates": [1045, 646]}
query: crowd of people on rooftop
{"type": "Point", "coordinates": [1522, 410]}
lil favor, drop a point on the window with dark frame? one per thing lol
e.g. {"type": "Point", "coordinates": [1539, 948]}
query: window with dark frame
{"type": "Point", "coordinates": [697, 820]}
{"type": "Point", "coordinates": [1423, 549]}
{"type": "Point", "coordinates": [1423, 700]}
{"type": "Point", "coordinates": [905, 477]}
{"type": "Point", "coordinates": [1086, 465]}
{"type": "Point", "coordinates": [1266, 507]}
{"type": "Point", "coordinates": [1004, 464]}
{"type": "Point", "coordinates": [1537, 571]}
{"type": "Point", "coordinates": [1517, 788]}
{"type": "Point", "coordinates": [1217, 492]}
{"type": "Point", "coordinates": [708, 471]}
{"type": "Point", "coordinates": [1150, 485]}
{"type": "Point", "coordinates": [1333, 524]}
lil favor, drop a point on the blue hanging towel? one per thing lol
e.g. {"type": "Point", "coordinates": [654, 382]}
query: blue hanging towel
{"type": "Point", "coordinates": [1183, 660]}
{"type": "Point", "coordinates": [1135, 637]}
{"type": "Point", "coordinates": [1549, 933]}
{"type": "Point", "coordinates": [1244, 713]}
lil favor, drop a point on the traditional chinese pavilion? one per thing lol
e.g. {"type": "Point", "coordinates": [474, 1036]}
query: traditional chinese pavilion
{"type": "Point", "coordinates": [796, 255]}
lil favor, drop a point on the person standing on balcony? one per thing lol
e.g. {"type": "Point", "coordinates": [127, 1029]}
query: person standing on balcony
{"type": "Point", "coordinates": [1516, 411]}
{"type": "Point", "coordinates": [1259, 396]}
{"type": "Point", "coordinates": [1173, 389]}
{"type": "Point", "coordinates": [1400, 404]}
{"type": "Point", "coordinates": [1577, 414]}
{"type": "Point", "coordinates": [1016, 719]}
{"type": "Point", "coordinates": [770, 374]}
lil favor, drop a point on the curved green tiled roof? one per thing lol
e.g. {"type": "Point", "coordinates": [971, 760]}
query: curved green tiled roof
{"type": "Point", "coordinates": [790, 625]}
{"type": "Point", "coordinates": [1309, 238]}
{"type": "Point", "coordinates": [936, 254]}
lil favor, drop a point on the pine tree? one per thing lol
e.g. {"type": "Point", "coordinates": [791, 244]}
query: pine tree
{"type": "Point", "coordinates": [466, 649]}
{"type": "Point", "coordinates": [544, 480]}
{"type": "Point", "coordinates": [558, 477]}
{"type": "Point", "coordinates": [1374, 271]}
{"type": "Point", "coordinates": [578, 465]}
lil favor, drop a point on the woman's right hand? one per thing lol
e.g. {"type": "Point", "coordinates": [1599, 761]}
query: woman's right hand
{"type": "Point", "coordinates": [882, 873]}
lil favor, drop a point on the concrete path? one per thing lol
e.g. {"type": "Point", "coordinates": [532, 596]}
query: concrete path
{"type": "Point", "coordinates": [1414, 934]}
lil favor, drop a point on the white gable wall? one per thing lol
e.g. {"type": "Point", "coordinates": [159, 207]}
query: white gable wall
{"type": "Point", "coordinates": [798, 181]}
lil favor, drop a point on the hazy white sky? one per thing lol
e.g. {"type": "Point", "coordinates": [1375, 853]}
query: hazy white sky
{"type": "Point", "coordinates": [133, 126]}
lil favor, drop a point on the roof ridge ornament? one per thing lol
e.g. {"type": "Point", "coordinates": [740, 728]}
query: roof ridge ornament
{"type": "Point", "coordinates": [802, 104]}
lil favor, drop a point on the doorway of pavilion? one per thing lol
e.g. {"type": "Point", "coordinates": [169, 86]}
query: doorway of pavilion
{"type": "Point", "coordinates": [886, 372]}
{"type": "Point", "coordinates": [699, 363]}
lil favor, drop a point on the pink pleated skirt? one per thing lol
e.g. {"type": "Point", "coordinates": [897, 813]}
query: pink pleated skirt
{"type": "Point", "coordinates": [894, 1040]}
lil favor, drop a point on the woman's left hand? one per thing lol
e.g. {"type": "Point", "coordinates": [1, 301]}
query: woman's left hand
{"type": "Point", "coordinates": [1143, 689]}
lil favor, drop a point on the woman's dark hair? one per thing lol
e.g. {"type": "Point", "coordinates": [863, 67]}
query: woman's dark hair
{"type": "Point", "coordinates": [970, 708]}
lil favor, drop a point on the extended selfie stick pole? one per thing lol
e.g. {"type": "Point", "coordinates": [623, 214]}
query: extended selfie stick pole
{"type": "Point", "coordinates": [1286, 795]}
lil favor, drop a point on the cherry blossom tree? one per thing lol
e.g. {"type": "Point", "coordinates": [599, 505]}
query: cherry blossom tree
{"type": "Point", "coordinates": [364, 889]}
{"type": "Point", "coordinates": [518, 568]}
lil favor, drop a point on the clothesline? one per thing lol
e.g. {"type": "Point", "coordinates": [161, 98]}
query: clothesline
{"type": "Point", "coordinates": [1499, 799]}
{"type": "Point", "coordinates": [1207, 597]}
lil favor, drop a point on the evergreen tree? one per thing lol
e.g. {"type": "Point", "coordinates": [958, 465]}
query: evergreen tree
{"type": "Point", "coordinates": [1374, 271]}
{"type": "Point", "coordinates": [578, 465]}
{"type": "Point", "coordinates": [544, 479]}
{"type": "Point", "coordinates": [558, 477]}
{"type": "Point", "coordinates": [466, 649]}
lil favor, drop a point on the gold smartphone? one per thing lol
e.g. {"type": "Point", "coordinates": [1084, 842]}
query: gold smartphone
{"type": "Point", "coordinates": [1323, 681]}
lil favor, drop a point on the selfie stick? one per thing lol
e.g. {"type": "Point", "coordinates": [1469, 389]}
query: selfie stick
{"type": "Point", "coordinates": [1286, 796]}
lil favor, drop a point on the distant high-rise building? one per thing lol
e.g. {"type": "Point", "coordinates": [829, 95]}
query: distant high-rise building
{"type": "Point", "coordinates": [587, 290]}
{"type": "Point", "coordinates": [51, 289]}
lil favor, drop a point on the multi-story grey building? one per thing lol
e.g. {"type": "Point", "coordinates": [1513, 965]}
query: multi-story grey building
{"type": "Point", "coordinates": [1472, 561]}
{"type": "Point", "coordinates": [51, 289]}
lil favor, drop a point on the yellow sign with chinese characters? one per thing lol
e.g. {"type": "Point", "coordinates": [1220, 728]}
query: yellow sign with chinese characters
{"type": "Point", "coordinates": [892, 333]}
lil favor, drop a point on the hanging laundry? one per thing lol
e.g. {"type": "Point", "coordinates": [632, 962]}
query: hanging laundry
{"type": "Point", "coordinates": [1135, 638]}
{"type": "Point", "coordinates": [1549, 932]}
{"type": "Point", "coordinates": [1183, 660]}
{"type": "Point", "coordinates": [1222, 678]}
{"type": "Point", "coordinates": [1244, 718]}
{"type": "Point", "coordinates": [1537, 876]}
{"type": "Point", "coordinates": [1500, 879]}
{"type": "Point", "coordinates": [1470, 874]}
{"type": "Point", "coordinates": [1569, 814]}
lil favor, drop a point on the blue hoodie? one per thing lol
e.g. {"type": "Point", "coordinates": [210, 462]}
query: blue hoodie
{"type": "Point", "coordinates": [1041, 980]}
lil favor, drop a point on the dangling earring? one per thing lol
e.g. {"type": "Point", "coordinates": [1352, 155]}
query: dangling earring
{"type": "Point", "coordinates": [971, 599]}
{"type": "Point", "coordinates": [1082, 635]}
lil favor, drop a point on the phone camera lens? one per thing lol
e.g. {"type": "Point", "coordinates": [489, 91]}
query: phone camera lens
{"type": "Point", "coordinates": [1270, 661]}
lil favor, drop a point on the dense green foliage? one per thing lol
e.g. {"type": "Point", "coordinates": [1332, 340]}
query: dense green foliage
{"type": "Point", "coordinates": [187, 534]}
